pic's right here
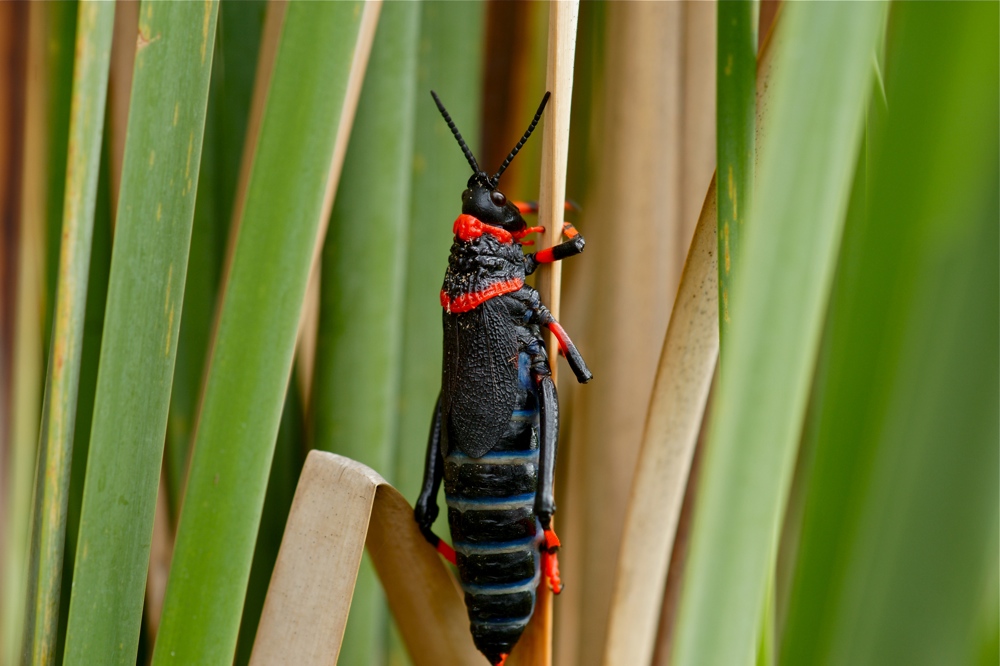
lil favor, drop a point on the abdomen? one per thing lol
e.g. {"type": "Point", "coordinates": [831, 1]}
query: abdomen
{"type": "Point", "coordinates": [496, 535]}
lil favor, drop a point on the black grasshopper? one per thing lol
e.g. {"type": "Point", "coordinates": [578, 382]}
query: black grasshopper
{"type": "Point", "coordinates": [496, 423]}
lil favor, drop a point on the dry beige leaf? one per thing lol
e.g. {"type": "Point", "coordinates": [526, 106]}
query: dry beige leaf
{"type": "Point", "coordinates": [341, 506]}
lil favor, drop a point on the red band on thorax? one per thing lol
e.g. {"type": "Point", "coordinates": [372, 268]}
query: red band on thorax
{"type": "Point", "coordinates": [470, 301]}
{"type": "Point", "coordinates": [469, 228]}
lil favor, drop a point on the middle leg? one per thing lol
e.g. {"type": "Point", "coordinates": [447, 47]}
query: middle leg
{"type": "Point", "coordinates": [545, 505]}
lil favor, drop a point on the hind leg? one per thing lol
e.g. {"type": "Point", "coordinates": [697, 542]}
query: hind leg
{"type": "Point", "coordinates": [426, 509]}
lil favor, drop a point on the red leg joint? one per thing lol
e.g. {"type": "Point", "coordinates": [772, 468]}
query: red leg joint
{"type": "Point", "coordinates": [503, 659]}
{"type": "Point", "coordinates": [545, 256]}
{"type": "Point", "coordinates": [550, 561]}
{"type": "Point", "coordinates": [561, 336]}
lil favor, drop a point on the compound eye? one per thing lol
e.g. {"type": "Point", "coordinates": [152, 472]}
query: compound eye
{"type": "Point", "coordinates": [498, 198]}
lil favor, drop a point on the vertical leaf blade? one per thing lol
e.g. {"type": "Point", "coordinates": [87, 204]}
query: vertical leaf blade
{"type": "Point", "coordinates": [820, 84]}
{"type": "Point", "coordinates": [61, 20]}
{"type": "Point", "coordinates": [252, 354]}
{"type": "Point", "coordinates": [93, 327]}
{"type": "Point", "coordinates": [240, 26]}
{"type": "Point", "coordinates": [149, 262]}
{"type": "Point", "coordinates": [90, 82]}
{"type": "Point", "coordinates": [736, 86]}
{"type": "Point", "coordinates": [899, 538]}
{"type": "Point", "coordinates": [289, 456]}
{"type": "Point", "coordinates": [356, 377]}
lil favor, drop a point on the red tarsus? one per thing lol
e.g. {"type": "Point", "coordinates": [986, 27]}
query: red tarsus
{"type": "Point", "coordinates": [472, 300]}
{"type": "Point", "coordinates": [550, 561]}
{"type": "Point", "coordinates": [447, 552]}
{"type": "Point", "coordinates": [503, 659]}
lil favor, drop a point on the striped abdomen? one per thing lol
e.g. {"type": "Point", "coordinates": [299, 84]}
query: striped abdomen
{"type": "Point", "coordinates": [495, 532]}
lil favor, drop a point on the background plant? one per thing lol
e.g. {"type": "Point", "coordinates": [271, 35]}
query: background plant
{"type": "Point", "coordinates": [272, 287]}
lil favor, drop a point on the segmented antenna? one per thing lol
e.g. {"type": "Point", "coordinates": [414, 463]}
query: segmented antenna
{"type": "Point", "coordinates": [458, 135]}
{"type": "Point", "coordinates": [503, 167]}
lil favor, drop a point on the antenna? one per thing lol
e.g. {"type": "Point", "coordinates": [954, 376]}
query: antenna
{"type": "Point", "coordinates": [503, 167]}
{"type": "Point", "coordinates": [458, 135]}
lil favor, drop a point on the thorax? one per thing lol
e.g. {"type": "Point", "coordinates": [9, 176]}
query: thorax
{"type": "Point", "coordinates": [480, 269]}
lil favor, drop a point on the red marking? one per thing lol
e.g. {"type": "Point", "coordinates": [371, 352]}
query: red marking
{"type": "Point", "coordinates": [560, 334]}
{"type": "Point", "coordinates": [550, 561]}
{"type": "Point", "coordinates": [529, 207]}
{"type": "Point", "coordinates": [503, 659]}
{"type": "Point", "coordinates": [526, 231]}
{"type": "Point", "coordinates": [447, 552]}
{"type": "Point", "coordinates": [544, 256]}
{"type": "Point", "coordinates": [469, 228]}
{"type": "Point", "coordinates": [472, 300]}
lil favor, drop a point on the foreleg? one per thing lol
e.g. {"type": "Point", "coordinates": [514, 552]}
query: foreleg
{"type": "Point", "coordinates": [570, 248]}
{"type": "Point", "coordinates": [545, 502]}
{"type": "Point", "coordinates": [426, 510]}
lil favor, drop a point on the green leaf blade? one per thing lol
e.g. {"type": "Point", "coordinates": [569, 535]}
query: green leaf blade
{"type": "Point", "coordinates": [149, 262]}
{"type": "Point", "coordinates": [356, 377]}
{"type": "Point", "coordinates": [86, 124]}
{"type": "Point", "coordinates": [61, 19]}
{"type": "Point", "coordinates": [736, 114]}
{"type": "Point", "coordinates": [806, 161]}
{"type": "Point", "coordinates": [240, 26]}
{"type": "Point", "coordinates": [252, 354]}
{"type": "Point", "coordinates": [899, 538]}
{"type": "Point", "coordinates": [289, 457]}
